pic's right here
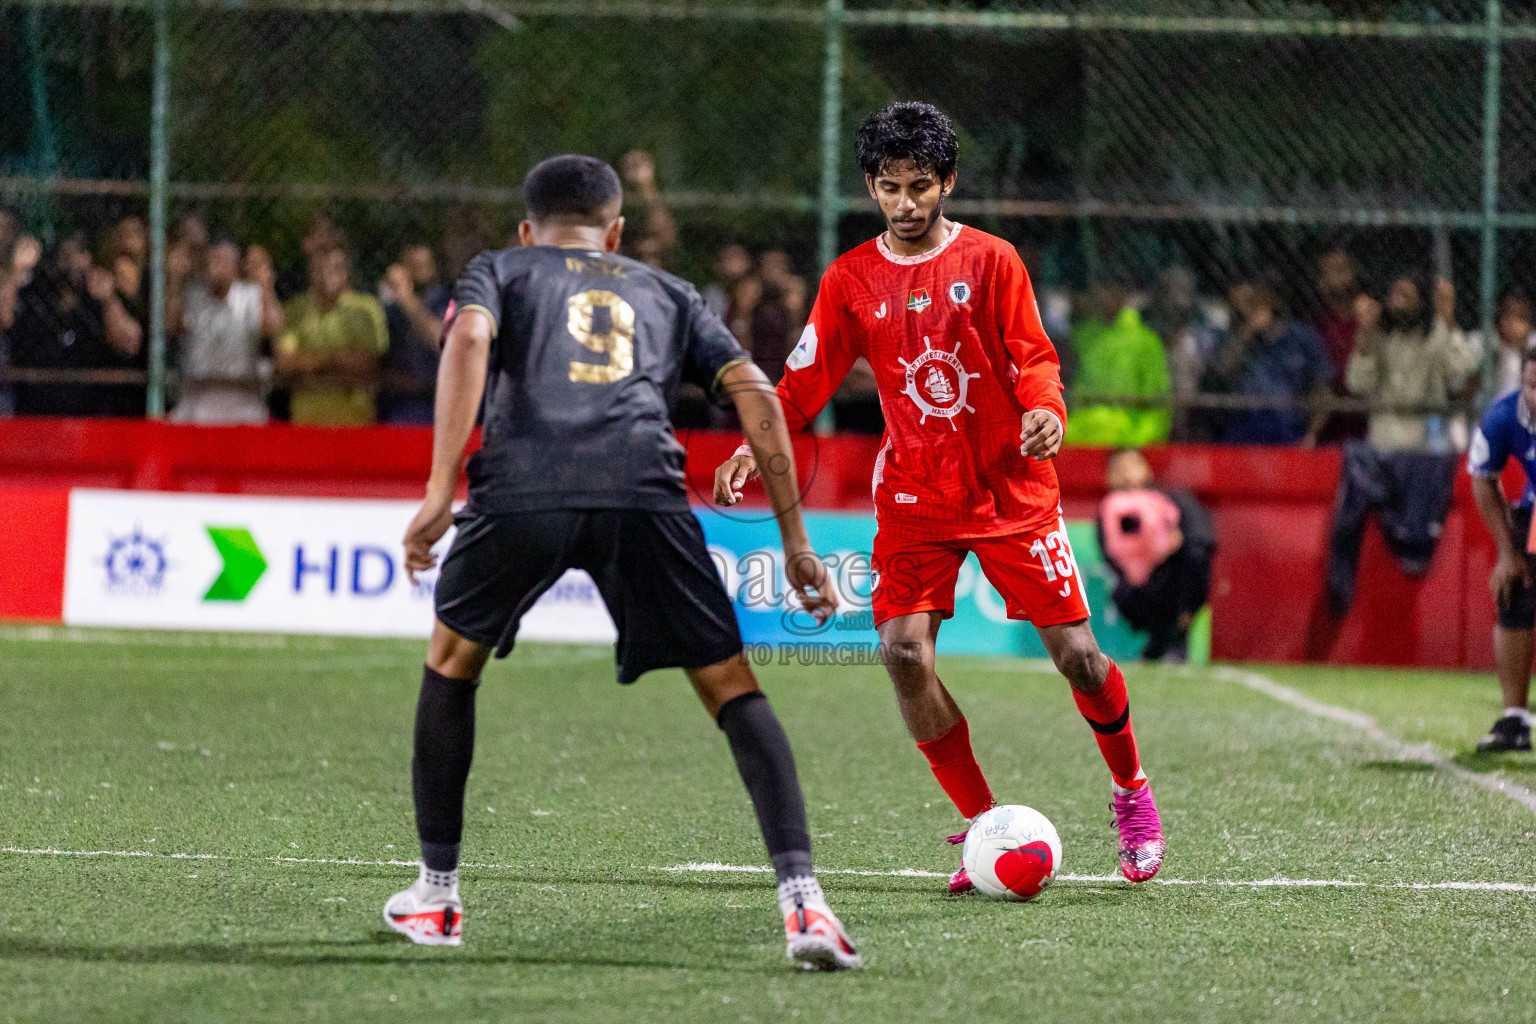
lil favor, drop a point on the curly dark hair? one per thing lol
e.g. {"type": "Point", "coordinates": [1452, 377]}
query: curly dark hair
{"type": "Point", "coordinates": [908, 131]}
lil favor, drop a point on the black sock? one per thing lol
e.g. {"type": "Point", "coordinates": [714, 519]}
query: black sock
{"type": "Point", "coordinates": [768, 768]}
{"type": "Point", "coordinates": [445, 743]}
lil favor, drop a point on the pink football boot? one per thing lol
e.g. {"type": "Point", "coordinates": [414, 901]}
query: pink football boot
{"type": "Point", "coordinates": [959, 882]}
{"type": "Point", "coordinates": [1141, 834]}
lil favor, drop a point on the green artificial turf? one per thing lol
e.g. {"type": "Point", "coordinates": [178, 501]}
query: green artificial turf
{"type": "Point", "coordinates": [264, 756]}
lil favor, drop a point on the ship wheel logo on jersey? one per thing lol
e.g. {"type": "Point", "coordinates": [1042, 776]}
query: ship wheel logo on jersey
{"type": "Point", "coordinates": [937, 383]}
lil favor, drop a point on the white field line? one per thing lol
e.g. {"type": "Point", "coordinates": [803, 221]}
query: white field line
{"type": "Point", "coordinates": [1260, 883]}
{"type": "Point", "coordinates": [540, 652]}
{"type": "Point", "coordinates": [1424, 753]}
{"type": "Point", "coordinates": [118, 638]}
{"type": "Point", "coordinates": [716, 867]}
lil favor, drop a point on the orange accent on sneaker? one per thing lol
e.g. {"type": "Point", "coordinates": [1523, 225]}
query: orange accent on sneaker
{"type": "Point", "coordinates": [816, 923]}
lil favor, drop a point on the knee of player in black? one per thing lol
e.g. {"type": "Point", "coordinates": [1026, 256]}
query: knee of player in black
{"type": "Point", "coordinates": [444, 746]}
{"type": "Point", "coordinates": [767, 767]}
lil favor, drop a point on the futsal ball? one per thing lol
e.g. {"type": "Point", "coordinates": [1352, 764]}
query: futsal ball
{"type": "Point", "coordinates": [1012, 853]}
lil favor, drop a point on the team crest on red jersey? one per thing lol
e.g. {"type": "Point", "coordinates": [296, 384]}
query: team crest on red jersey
{"type": "Point", "coordinates": [937, 383]}
{"type": "Point", "coordinates": [918, 300]}
{"type": "Point", "coordinates": [960, 292]}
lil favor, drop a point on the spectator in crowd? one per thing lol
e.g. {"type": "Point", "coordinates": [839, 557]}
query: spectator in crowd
{"type": "Point", "coordinates": [779, 314]}
{"type": "Point", "coordinates": [190, 234]}
{"type": "Point", "coordinates": [1275, 359]}
{"type": "Point", "coordinates": [221, 320]}
{"type": "Point", "coordinates": [1159, 544]}
{"type": "Point", "coordinates": [464, 240]}
{"type": "Point", "coordinates": [734, 290]}
{"type": "Point", "coordinates": [1338, 285]}
{"type": "Point", "coordinates": [1410, 353]}
{"type": "Point", "coordinates": [415, 302]}
{"type": "Point", "coordinates": [732, 264]}
{"type": "Point", "coordinates": [19, 254]}
{"type": "Point", "coordinates": [320, 237]}
{"type": "Point", "coordinates": [331, 346]}
{"type": "Point", "coordinates": [1514, 333]}
{"type": "Point", "coordinates": [1118, 359]}
{"type": "Point", "coordinates": [657, 235]}
{"type": "Point", "coordinates": [10, 233]}
{"type": "Point", "coordinates": [1409, 361]}
{"type": "Point", "coordinates": [69, 318]}
{"type": "Point", "coordinates": [1189, 337]}
{"type": "Point", "coordinates": [127, 258]}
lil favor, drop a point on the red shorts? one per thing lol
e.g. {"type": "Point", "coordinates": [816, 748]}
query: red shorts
{"type": "Point", "coordinates": [1035, 572]}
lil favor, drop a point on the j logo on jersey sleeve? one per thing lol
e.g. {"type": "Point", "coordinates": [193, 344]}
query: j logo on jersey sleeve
{"type": "Point", "coordinates": [937, 383]}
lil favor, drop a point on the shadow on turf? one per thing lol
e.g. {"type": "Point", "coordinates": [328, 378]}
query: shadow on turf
{"type": "Point", "coordinates": [379, 948]}
{"type": "Point", "coordinates": [1519, 762]}
{"type": "Point", "coordinates": [718, 882]}
{"type": "Point", "coordinates": [1397, 767]}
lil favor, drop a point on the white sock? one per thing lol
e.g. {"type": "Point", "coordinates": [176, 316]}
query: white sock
{"type": "Point", "coordinates": [431, 882]}
{"type": "Point", "coordinates": [1521, 713]}
{"type": "Point", "coordinates": [1141, 775]}
{"type": "Point", "coordinates": [804, 886]}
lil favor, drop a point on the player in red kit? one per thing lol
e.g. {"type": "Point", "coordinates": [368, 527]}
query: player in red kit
{"type": "Point", "coordinates": [971, 390]}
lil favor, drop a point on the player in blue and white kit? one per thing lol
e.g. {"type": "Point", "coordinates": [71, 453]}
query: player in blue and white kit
{"type": "Point", "coordinates": [1508, 429]}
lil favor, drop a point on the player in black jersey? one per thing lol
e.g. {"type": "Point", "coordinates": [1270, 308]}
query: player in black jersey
{"type": "Point", "coordinates": [578, 353]}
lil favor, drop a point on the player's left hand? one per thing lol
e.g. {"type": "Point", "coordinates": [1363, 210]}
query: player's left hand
{"type": "Point", "coordinates": [1041, 435]}
{"type": "Point", "coordinates": [808, 575]}
{"type": "Point", "coordinates": [431, 522]}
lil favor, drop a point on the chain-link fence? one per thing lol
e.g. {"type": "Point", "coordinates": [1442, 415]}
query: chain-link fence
{"type": "Point", "coordinates": [1238, 142]}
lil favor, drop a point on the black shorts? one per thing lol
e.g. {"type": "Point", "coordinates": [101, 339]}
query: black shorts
{"type": "Point", "coordinates": [652, 569]}
{"type": "Point", "coordinates": [1520, 613]}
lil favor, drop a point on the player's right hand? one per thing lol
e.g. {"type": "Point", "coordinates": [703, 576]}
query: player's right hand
{"type": "Point", "coordinates": [431, 522]}
{"type": "Point", "coordinates": [1509, 570]}
{"type": "Point", "coordinates": [732, 476]}
{"type": "Point", "coordinates": [808, 575]}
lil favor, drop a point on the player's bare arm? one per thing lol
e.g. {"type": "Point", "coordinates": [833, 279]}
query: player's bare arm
{"type": "Point", "coordinates": [763, 418]}
{"type": "Point", "coordinates": [1511, 568]}
{"type": "Point", "coordinates": [460, 386]}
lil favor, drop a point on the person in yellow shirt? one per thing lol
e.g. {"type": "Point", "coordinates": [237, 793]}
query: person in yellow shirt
{"type": "Point", "coordinates": [330, 351]}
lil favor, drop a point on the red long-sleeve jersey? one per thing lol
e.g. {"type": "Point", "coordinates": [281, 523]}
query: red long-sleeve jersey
{"type": "Point", "coordinates": [959, 355]}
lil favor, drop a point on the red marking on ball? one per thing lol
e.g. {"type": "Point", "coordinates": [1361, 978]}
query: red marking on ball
{"type": "Point", "coordinates": [1025, 871]}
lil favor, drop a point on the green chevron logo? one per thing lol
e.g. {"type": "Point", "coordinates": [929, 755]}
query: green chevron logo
{"type": "Point", "coordinates": [243, 563]}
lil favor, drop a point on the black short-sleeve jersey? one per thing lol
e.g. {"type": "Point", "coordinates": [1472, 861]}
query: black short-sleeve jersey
{"type": "Point", "coordinates": [589, 350]}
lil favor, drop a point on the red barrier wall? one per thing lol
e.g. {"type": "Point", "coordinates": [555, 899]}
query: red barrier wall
{"type": "Point", "coordinates": [1272, 509]}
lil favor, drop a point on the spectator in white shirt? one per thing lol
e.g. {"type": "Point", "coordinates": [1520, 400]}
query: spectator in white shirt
{"type": "Point", "coordinates": [222, 321]}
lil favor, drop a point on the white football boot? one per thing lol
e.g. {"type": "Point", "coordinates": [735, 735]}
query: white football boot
{"type": "Point", "coordinates": [427, 915]}
{"type": "Point", "coordinates": [814, 937]}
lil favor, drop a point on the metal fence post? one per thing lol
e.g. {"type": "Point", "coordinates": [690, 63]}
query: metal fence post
{"type": "Point", "coordinates": [157, 190]}
{"type": "Point", "coordinates": [44, 144]}
{"type": "Point", "coordinates": [1488, 264]}
{"type": "Point", "coordinates": [831, 128]}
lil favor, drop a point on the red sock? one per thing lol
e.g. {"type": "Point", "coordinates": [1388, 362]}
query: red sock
{"type": "Point", "coordinates": [1109, 713]}
{"type": "Point", "coordinates": [954, 765]}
